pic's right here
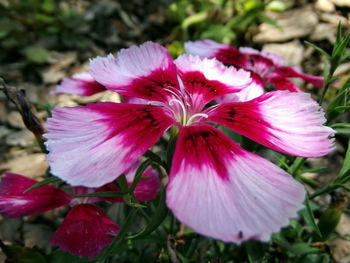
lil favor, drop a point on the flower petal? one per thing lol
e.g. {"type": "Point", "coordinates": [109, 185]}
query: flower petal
{"type": "Point", "coordinates": [293, 72]}
{"type": "Point", "coordinates": [15, 203]}
{"type": "Point", "coordinates": [222, 52]}
{"type": "Point", "coordinates": [144, 72]}
{"type": "Point", "coordinates": [146, 189]}
{"type": "Point", "coordinates": [276, 59]}
{"type": "Point", "coordinates": [285, 121]}
{"type": "Point", "coordinates": [92, 145]}
{"type": "Point", "coordinates": [205, 79]}
{"type": "Point", "coordinates": [254, 90]}
{"type": "Point", "coordinates": [221, 191]}
{"type": "Point", "coordinates": [85, 231]}
{"type": "Point", "coordinates": [81, 84]}
{"type": "Point", "coordinates": [204, 48]}
{"type": "Point", "coordinates": [284, 84]}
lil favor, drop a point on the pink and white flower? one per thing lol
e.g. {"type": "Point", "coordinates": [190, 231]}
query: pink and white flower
{"type": "Point", "coordinates": [215, 186]}
{"type": "Point", "coordinates": [266, 68]}
{"type": "Point", "coordinates": [81, 84]}
{"type": "Point", "coordinates": [86, 229]}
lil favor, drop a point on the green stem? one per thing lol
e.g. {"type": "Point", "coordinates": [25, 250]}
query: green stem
{"type": "Point", "coordinates": [327, 82]}
{"type": "Point", "coordinates": [298, 163]}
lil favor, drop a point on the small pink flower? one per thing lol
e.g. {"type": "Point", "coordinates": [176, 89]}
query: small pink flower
{"type": "Point", "coordinates": [215, 186]}
{"type": "Point", "coordinates": [86, 230]}
{"type": "Point", "coordinates": [266, 68]}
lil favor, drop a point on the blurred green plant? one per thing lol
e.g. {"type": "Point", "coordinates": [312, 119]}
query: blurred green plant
{"type": "Point", "coordinates": [225, 21]}
{"type": "Point", "coordinates": [28, 28]}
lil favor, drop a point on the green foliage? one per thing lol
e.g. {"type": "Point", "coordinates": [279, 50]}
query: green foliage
{"type": "Point", "coordinates": [222, 20]}
{"type": "Point", "coordinates": [31, 27]}
{"type": "Point", "coordinates": [18, 254]}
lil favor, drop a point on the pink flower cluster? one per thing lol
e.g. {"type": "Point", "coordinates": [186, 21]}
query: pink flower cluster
{"type": "Point", "coordinates": [86, 229]}
{"type": "Point", "coordinates": [215, 186]}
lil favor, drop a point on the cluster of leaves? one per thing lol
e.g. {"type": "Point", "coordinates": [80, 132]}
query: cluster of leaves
{"type": "Point", "coordinates": [222, 20]}
{"type": "Point", "coordinates": [30, 28]}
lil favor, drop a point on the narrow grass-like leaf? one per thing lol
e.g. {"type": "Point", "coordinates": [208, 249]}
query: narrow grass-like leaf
{"type": "Point", "coordinates": [119, 238]}
{"type": "Point", "coordinates": [339, 35]}
{"type": "Point", "coordinates": [297, 164]}
{"type": "Point", "coordinates": [49, 180]}
{"type": "Point", "coordinates": [342, 131]}
{"type": "Point", "coordinates": [318, 49]}
{"type": "Point", "coordinates": [317, 170]}
{"type": "Point", "coordinates": [158, 217]}
{"type": "Point", "coordinates": [323, 190]}
{"type": "Point", "coordinates": [346, 164]}
{"type": "Point", "coordinates": [309, 217]}
{"type": "Point", "coordinates": [342, 108]}
{"type": "Point", "coordinates": [340, 125]}
{"type": "Point", "coordinates": [138, 174]}
{"type": "Point", "coordinates": [123, 183]}
{"type": "Point", "coordinates": [333, 110]}
{"type": "Point", "coordinates": [339, 49]}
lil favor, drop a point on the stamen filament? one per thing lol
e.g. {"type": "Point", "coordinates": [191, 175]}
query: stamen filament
{"type": "Point", "coordinates": [184, 112]}
{"type": "Point", "coordinates": [196, 116]}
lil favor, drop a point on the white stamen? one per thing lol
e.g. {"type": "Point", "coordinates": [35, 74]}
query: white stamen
{"type": "Point", "coordinates": [171, 103]}
{"type": "Point", "coordinates": [196, 116]}
{"type": "Point", "coordinates": [174, 92]}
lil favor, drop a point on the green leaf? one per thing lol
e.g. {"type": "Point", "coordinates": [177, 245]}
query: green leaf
{"type": "Point", "coordinates": [320, 50]}
{"type": "Point", "coordinates": [333, 110]}
{"type": "Point", "coordinates": [265, 19]}
{"type": "Point", "coordinates": [49, 180]}
{"type": "Point", "coordinates": [62, 257]}
{"type": "Point", "coordinates": [281, 241]}
{"type": "Point", "coordinates": [278, 5]}
{"type": "Point", "coordinates": [255, 251]}
{"type": "Point", "coordinates": [338, 50]}
{"type": "Point", "coordinates": [309, 217]}
{"type": "Point", "coordinates": [194, 19]}
{"type": "Point", "coordinates": [342, 131]}
{"type": "Point", "coordinates": [48, 6]}
{"type": "Point", "coordinates": [318, 170]}
{"type": "Point", "coordinates": [302, 249]}
{"type": "Point", "coordinates": [339, 35]}
{"type": "Point", "coordinates": [345, 56]}
{"type": "Point", "coordinates": [119, 239]}
{"type": "Point", "coordinates": [139, 173]}
{"type": "Point", "coordinates": [158, 217]}
{"type": "Point", "coordinates": [342, 108]}
{"type": "Point", "coordinates": [297, 164]}
{"type": "Point", "coordinates": [36, 54]}
{"type": "Point", "coordinates": [220, 33]}
{"type": "Point", "coordinates": [346, 164]}
{"type": "Point", "coordinates": [123, 183]}
{"type": "Point", "coordinates": [46, 19]}
{"type": "Point", "coordinates": [340, 125]}
{"type": "Point", "coordinates": [17, 254]}
{"type": "Point", "coordinates": [330, 218]}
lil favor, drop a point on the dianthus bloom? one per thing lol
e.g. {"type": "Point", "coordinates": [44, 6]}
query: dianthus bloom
{"type": "Point", "coordinates": [215, 186]}
{"type": "Point", "coordinates": [86, 230]}
{"type": "Point", "coordinates": [266, 68]}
